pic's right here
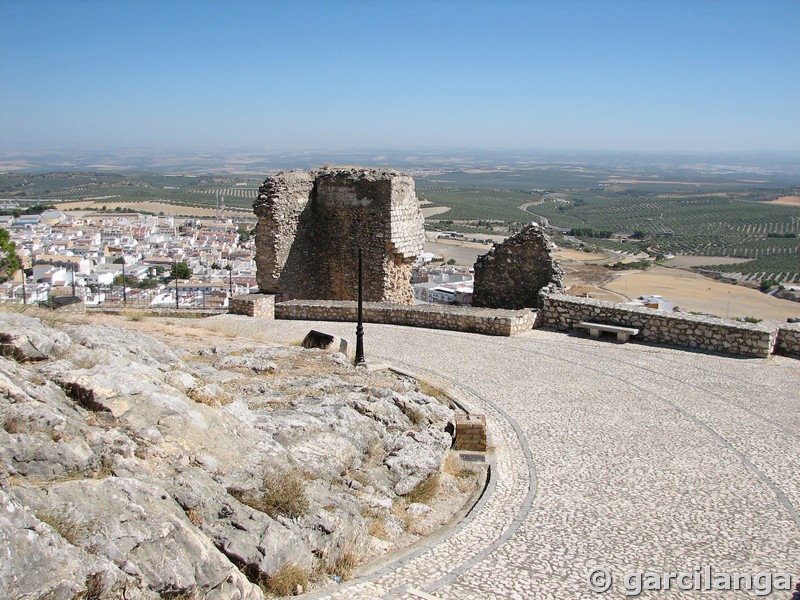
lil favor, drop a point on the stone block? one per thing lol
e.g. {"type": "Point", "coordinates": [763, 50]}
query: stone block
{"type": "Point", "coordinates": [261, 306]}
{"type": "Point", "coordinates": [329, 343]}
{"type": "Point", "coordinates": [470, 432]}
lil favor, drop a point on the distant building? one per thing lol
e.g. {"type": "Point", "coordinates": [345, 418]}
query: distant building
{"type": "Point", "coordinates": [653, 301]}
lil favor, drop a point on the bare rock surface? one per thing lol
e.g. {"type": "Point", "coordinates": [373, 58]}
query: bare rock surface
{"type": "Point", "coordinates": [30, 548]}
{"type": "Point", "coordinates": [26, 341]}
{"type": "Point", "coordinates": [213, 465]}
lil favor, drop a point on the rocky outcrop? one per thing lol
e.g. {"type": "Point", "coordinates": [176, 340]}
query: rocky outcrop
{"type": "Point", "coordinates": [24, 340]}
{"type": "Point", "coordinates": [311, 224]}
{"type": "Point", "coordinates": [165, 472]}
{"type": "Point", "coordinates": [516, 273]}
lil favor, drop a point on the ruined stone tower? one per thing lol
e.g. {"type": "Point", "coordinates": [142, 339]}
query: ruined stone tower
{"type": "Point", "coordinates": [514, 274]}
{"type": "Point", "coordinates": [311, 224]}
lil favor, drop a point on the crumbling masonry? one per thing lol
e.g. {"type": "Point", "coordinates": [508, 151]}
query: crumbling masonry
{"type": "Point", "coordinates": [311, 224]}
{"type": "Point", "coordinates": [516, 273]}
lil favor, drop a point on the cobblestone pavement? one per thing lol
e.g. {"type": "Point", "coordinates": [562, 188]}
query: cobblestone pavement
{"type": "Point", "coordinates": [626, 456]}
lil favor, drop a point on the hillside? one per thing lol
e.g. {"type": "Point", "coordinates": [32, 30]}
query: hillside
{"type": "Point", "coordinates": [163, 458]}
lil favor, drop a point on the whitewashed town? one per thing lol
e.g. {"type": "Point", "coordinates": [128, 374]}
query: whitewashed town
{"type": "Point", "coordinates": [162, 261]}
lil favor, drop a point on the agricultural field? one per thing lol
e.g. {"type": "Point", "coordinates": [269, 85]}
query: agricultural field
{"type": "Point", "coordinates": [174, 189]}
{"type": "Point", "coordinates": [709, 210]}
{"type": "Point", "coordinates": [626, 213]}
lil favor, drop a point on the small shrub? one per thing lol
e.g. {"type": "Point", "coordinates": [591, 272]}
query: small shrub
{"type": "Point", "coordinates": [750, 320]}
{"type": "Point", "coordinates": [283, 494]}
{"type": "Point", "coordinates": [287, 581]}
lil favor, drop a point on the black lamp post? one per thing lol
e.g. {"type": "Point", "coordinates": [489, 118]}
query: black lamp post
{"type": "Point", "coordinates": [360, 327]}
{"type": "Point", "coordinates": [230, 280]}
{"type": "Point", "coordinates": [72, 270]}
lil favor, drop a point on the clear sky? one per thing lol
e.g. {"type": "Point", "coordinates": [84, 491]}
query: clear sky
{"type": "Point", "coordinates": [299, 74]}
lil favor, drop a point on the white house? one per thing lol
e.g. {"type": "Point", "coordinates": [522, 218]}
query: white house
{"type": "Point", "coordinates": [103, 278]}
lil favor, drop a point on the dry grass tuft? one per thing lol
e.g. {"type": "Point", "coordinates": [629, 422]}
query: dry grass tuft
{"type": "Point", "coordinates": [105, 469]}
{"type": "Point", "coordinates": [424, 491]}
{"type": "Point", "coordinates": [230, 328]}
{"type": "Point", "coordinates": [201, 397]}
{"type": "Point", "coordinates": [51, 318]}
{"type": "Point", "coordinates": [377, 528]}
{"type": "Point", "coordinates": [14, 307]}
{"type": "Point", "coordinates": [466, 475]}
{"type": "Point", "coordinates": [95, 590]}
{"type": "Point", "coordinates": [431, 390]}
{"type": "Point", "coordinates": [69, 528]}
{"type": "Point", "coordinates": [134, 315]}
{"type": "Point", "coordinates": [349, 556]}
{"type": "Point", "coordinates": [287, 581]}
{"type": "Point", "coordinates": [194, 516]}
{"type": "Point", "coordinates": [86, 360]}
{"type": "Point", "coordinates": [14, 424]}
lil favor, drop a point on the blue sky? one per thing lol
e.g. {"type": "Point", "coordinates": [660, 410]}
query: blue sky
{"type": "Point", "coordinates": [301, 75]}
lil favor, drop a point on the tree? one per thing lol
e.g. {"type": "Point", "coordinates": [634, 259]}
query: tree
{"type": "Point", "coordinates": [128, 281]}
{"type": "Point", "coordinates": [767, 284]}
{"type": "Point", "coordinates": [148, 283]}
{"type": "Point", "coordinates": [9, 262]}
{"type": "Point", "coordinates": [181, 271]}
{"type": "Point", "coordinates": [244, 234]}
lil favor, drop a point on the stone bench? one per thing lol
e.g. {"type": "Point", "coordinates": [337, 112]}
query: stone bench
{"type": "Point", "coordinates": [623, 333]}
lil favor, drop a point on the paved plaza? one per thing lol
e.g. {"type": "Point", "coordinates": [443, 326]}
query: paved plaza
{"type": "Point", "coordinates": [628, 457]}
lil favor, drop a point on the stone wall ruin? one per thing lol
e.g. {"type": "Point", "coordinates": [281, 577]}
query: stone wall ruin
{"type": "Point", "coordinates": [311, 224]}
{"type": "Point", "coordinates": [514, 274]}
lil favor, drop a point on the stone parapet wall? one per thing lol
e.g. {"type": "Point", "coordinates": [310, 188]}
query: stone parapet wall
{"type": "Point", "coordinates": [692, 331]}
{"type": "Point", "coordinates": [789, 340]}
{"type": "Point", "coordinates": [432, 316]}
{"type": "Point", "coordinates": [261, 306]}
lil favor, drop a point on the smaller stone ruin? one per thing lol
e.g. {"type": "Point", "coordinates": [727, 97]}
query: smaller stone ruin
{"type": "Point", "coordinates": [515, 274]}
{"type": "Point", "coordinates": [311, 224]}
